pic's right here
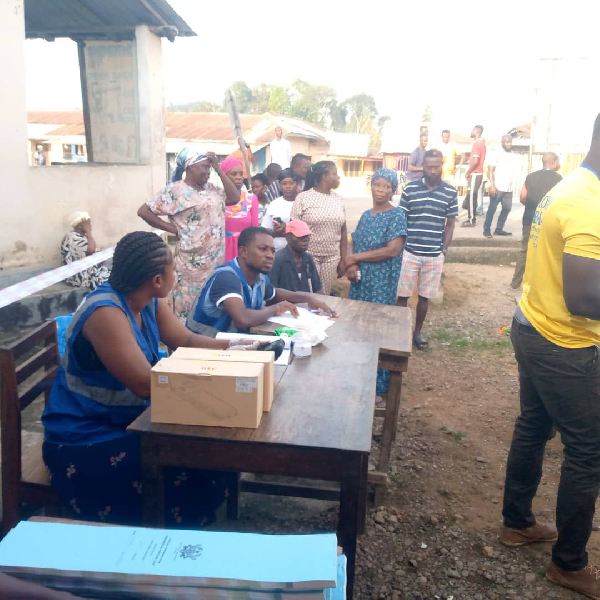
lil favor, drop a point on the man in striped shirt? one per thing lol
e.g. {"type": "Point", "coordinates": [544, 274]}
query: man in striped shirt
{"type": "Point", "coordinates": [431, 209]}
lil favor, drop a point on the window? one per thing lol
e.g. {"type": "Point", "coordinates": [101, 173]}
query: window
{"type": "Point", "coordinates": [352, 168]}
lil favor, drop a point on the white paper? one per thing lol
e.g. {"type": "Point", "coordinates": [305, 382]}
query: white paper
{"type": "Point", "coordinates": [306, 320]}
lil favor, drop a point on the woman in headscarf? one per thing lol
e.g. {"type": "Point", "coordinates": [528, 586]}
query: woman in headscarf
{"type": "Point", "coordinates": [78, 244]}
{"type": "Point", "coordinates": [324, 212]}
{"type": "Point", "coordinates": [374, 261]}
{"type": "Point", "coordinates": [241, 215]}
{"type": "Point", "coordinates": [196, 212]}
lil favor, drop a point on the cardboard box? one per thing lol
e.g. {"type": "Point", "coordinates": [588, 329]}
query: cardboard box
{"type": "Point", "coordinates": [213, 393]}
{"type": "Point", "coordinates": [266, 358]}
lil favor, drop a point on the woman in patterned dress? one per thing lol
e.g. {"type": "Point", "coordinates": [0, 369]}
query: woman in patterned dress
{"type": "Point", "coordinates": [196, 212]}
{"type": "Point", "coordinates": [374, 262]}
{"type": "Point", "coordinates": [241, 215]}
{"type": "Point", "coordinates": [324, 212]}
{"type": "Point", "coordinates": [78, 244]}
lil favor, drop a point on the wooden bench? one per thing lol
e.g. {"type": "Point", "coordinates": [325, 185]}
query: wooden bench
{"type": "Point", "coordinates": [27, 370]}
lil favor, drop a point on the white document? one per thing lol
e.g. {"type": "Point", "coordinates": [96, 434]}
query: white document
{"type": "Point", "coordinates": [306, 320]}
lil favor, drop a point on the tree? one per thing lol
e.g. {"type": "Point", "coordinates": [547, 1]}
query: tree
{"type": "Point", "coordinates": [261, 95]}
{"type": "Point", "coordinates": [279, 101]}
{"type": "Point", "coordinates": [362, 111]}
{"type": "Point", "coordinates": [242, 95]}
{"type": "Point", "coordinates": [312, 102]}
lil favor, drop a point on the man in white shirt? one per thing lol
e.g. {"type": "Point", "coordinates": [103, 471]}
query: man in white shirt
{"type": "Point", "coordinates": [281, 150]}
{"type": "Point", "coordinates": [501, 173]}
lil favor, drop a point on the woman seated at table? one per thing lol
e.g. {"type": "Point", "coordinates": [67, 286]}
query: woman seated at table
{"type": "Point", "coordinates": [103, 384]}
{"type": "Point", "coordinates": [373, 265]}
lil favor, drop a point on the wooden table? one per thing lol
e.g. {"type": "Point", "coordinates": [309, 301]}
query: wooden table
{"type": "Point", "coordinates": [390, 329]}
{"type": "Point", "coordinates": [320, 427]}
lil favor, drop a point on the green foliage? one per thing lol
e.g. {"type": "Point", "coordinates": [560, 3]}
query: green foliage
{"type": "Point", "coordinates": [243, 96]}
{"type": "Point", "coordinates": [279, 101]}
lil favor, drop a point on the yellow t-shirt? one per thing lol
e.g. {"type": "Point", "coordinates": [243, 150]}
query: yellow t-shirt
{"type": "Point", "coordinates": [567, 220]}
{"type": "Point", "coordinates": [449, 151]}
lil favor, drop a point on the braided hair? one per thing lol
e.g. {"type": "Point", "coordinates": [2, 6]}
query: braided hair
{"type": "Point", "coordinates": [321, 168]}
{"type": "Point", "coordinates": [138, 257]}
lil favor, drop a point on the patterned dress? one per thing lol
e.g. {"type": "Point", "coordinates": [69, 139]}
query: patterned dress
{"type": "Point", "coordinates": [200, 221]}
{"type": "Point", "coordinates": [74, 247]}
{"type": "Point", "coordinates": [379, 280]}
{"type": "Point", "coordinates": [237, 218]}
{"type": "Point", "coordinates": [325, 214]}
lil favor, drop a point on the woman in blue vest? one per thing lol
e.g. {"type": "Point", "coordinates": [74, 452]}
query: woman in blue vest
{"type": "Point", "coordinates": [103, 384]}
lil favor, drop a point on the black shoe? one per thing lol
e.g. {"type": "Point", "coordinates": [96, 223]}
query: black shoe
{"type": "Point", "coordinates": [487, 234]}
{"type": "Point", "coordinates": [502, 232]}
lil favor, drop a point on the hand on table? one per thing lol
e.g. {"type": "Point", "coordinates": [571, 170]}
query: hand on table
{"type": "Point", "coordinates": [322, 307]}
{"type": "Point", "coordinates": [283, 307]}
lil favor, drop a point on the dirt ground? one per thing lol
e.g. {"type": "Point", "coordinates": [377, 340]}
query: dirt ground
{"type": "Point", "coordinates": [436, 536]}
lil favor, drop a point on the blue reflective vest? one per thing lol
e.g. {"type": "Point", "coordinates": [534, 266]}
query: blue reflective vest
{"type": "Point", "coordinates": [85, 406]}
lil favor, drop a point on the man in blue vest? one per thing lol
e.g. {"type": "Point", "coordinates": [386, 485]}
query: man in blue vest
{"type": "Point", "coordinates": [233, 299]}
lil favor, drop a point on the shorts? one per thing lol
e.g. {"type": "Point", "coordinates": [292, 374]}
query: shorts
{"type": "Point", "coordinates": [423, 272]}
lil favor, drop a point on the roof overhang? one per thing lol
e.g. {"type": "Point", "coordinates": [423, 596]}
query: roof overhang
{"type": "Point", "coordinates": [108, 19]}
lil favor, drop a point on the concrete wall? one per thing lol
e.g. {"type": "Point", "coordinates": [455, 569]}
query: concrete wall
{"type": "Point", "coordinates": [37, 202]}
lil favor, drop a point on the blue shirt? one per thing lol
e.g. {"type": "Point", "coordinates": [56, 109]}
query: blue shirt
{"type": "Point", "coordinates": [417, 158]}
{"type": "Point", "coordinates": [426, 214]}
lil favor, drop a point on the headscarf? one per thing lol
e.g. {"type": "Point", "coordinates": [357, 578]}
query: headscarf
{"type": "Point", "coordinates": [78, 217]}
{"type": "Point", "coordinates": [185, 159]}
{"type": "Point", "coordinates": [230, 163]}
{"type": "Point", "coordinates": [388, 175]}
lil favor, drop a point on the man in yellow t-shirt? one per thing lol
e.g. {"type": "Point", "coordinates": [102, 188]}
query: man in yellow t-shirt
{"type": "Point", "coordinates": [555, 334]}
{"type": "Point", "coordinates": [449, 152]}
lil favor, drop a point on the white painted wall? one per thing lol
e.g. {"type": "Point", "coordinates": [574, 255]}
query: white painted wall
{"type": "Point", "coordinates": [37, 202]}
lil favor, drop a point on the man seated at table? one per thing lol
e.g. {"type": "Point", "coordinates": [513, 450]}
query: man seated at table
{"type": "Point", "coordinates": [233, 299]}
{"type": "Point", "coordinates": [294, 268]}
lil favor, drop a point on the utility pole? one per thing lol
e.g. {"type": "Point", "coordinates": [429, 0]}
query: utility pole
{"type": "Point", "coordinates": [236, 126]}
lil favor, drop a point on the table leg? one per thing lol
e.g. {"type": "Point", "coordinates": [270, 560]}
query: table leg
{"type": "Point", "coordinates": [233, 499]}
{"type": "Point", "coordinates": [362, 505]}
{"type": "Point", "coordinates": [351, 487]}
{"type": "Point", "coordinates": [153, 486]}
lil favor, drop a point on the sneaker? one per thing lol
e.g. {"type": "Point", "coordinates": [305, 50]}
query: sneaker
{"type": "Point", "coordinates": [502, 232]}
{"type": "Point", "coordinates": [487, 234]}
{"type": "Point", "coordinates": [536, 533]}
{"type": "Point", "coordinates": [585, 581]}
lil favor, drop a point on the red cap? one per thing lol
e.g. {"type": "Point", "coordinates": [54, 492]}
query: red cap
{"type": "Point", "coordinates": [298, 228]}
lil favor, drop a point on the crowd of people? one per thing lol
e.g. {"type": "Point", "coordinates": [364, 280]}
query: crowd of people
{"type": "Point", "coordinates": [250, 250]}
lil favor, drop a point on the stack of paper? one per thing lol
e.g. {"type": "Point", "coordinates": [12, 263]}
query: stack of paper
{"type": "Point", "coordinates": [158, 563]}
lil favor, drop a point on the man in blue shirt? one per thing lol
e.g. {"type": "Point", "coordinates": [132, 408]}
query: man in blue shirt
{"type": "Point", "coordinates": [431, 209]}
{"type": "Point", "coordinates": [233, 299]}
{"type": "Point", "coordinates": [415, 162]}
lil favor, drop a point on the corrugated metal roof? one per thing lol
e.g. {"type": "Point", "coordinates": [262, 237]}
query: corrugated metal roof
{"type": "Point", "coordinates": [86, 19]}
{"type": "Point", "coordinates": [259, 130]}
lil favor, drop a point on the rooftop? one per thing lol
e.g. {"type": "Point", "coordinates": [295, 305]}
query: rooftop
{"type": "Point", "coordinates": [104, 19]}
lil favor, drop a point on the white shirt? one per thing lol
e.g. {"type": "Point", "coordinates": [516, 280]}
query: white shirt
{"type": "Point", "coordinates": [282, 209]}
{"type": "Point", "coordinates": [281, 152]}
{"type": "Point", "coordinates": [506, 164]}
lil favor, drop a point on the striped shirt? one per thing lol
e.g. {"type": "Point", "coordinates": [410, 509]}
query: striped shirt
{"type": "Point", "coordinates": [426, 214]}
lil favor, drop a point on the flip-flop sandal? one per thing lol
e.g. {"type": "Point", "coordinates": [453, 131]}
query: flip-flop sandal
{"type": "Point", "coordinates": [467, 224]}
{"type": "Point", "coordinates": [379, 402]}
{"type": "Point", "coordinates": [421, 343]}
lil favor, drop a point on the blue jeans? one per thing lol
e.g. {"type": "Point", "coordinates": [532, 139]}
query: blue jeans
{"type": "Point", "coordinates": [504, 198]}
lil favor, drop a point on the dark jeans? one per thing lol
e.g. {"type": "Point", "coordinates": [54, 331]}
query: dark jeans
{"type": "Point", "coordinates": [517, 279]}
{"type": "Point", "coordinates": [560, 388]}
{"type": "Point", "coordinates": [503, 198]}
{"type": "Point", "coordinates": [470, 200]}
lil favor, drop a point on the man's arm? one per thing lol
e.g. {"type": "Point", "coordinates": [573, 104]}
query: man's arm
{"type": "Point", "coordinates": [286, 296]}
{"type": "Point", "coordinates": [523, 195]}
{"type": "Point", "coordinates": [492, 178]}
{"type": "Point", "coordinates": [473, 164]}
{"type": "Point", "coordinates": [245, 318]}
{"type": "Point", "coordinates": [412, 162]}
{"type": "Point", "coordinates": [448, 233]}
{"type": "Point", "coordinates": [581, 285]}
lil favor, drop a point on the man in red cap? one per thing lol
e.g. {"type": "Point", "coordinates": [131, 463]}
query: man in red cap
{"type": "Point", "coordinates": [294, 268]}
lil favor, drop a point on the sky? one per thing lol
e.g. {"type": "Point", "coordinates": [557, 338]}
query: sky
{"type": "Point", "coordinates": [472, 61]}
